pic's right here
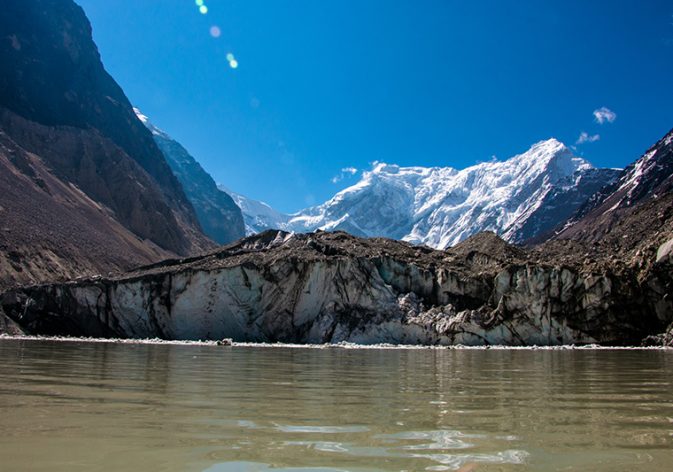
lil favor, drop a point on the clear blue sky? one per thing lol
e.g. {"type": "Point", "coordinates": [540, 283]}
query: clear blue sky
{"type": "Point", "coordinates": [323, 85]}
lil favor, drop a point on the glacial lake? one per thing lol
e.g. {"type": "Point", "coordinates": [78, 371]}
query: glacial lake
{"type": "Point", "coordinates": [72, 406]}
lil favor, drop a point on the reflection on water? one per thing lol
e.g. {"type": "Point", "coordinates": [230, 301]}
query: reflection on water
{"type": "Point", "coordinates": [78, 406]}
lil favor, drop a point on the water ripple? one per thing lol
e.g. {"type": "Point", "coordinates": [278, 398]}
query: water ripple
{"type": "Point", "coordinates": [78, 406]}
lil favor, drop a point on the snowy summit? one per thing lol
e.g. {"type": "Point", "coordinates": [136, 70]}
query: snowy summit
{"type": "Point", "coordinates": [518, 198]}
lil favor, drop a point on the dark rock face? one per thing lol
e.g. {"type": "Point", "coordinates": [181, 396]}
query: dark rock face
{"type": "Point", "coordinates": [53, 76]}
{"type": "Point", "coordinates": [562, 202]}
{"type": "Point", "coordinates": [331, 287]}
{"type": "Point", "coordinates": [8, 326]}
{"type": "Point", "coordinates": [105, 173]}
{"type": "Point", "coordinates": [220, 218]}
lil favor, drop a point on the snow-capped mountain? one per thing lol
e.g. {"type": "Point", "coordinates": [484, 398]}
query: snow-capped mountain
{"type": "Point", "coordinates": [519, 198]}
{"type": "Point", "coordinates": [257, 215]}
{"type": "Point", "coordinates": [219, 216]}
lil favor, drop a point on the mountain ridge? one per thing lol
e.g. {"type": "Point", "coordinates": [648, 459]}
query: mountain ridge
{"type": "Point", "coordinates": [518, 198]}
{"type": "Point", "coordinates": [642, 186]}
{"type": "Point", "coordinates": [218, 214]}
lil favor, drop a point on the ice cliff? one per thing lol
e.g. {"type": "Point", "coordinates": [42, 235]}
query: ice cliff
{"type": "Point", "coordinates": [332, 287]}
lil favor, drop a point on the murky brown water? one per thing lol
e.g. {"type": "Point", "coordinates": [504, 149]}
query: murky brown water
{"type": "Point", "coordinates": [77, 406]}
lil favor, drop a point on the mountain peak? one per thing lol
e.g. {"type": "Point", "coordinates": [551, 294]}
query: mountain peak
{"type": "Point", "coordinates": [384, 168]}
{"type": "Point", "coordinates": [144, 119]}
{"type": "Point", "coordinates": [551, 143]}
{"type": "Point", "coordinates": [551, 157]}
{"type": "Point", "coordinates": [549, 149]}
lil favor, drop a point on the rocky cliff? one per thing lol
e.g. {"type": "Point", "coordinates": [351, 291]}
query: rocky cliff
{"type": "Point", "coordinates": [53, 75]}
{"type": "Point", "coordinates": [331, 287]}
{"type": "Point", "coordinates": [84, 187]}
{"type": "Point", "coordinates": [51, 229]}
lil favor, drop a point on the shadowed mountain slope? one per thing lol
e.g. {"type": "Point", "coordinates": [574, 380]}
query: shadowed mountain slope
{"type": "Point", "coordinates": [68, 128]}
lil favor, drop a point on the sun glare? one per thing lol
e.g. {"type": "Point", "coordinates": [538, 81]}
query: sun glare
{"type": "Point", "coordinates": [215, 31]}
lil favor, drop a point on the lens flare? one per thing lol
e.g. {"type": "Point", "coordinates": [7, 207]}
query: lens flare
{"type": "Point", "coordinates": [199, 3]}
{"type": "Point", "coordinates": [203, 9]}
{"type": "Point", "coordinates": [215, 31]}
{"type": "Point", "coordinates": [230, 57]}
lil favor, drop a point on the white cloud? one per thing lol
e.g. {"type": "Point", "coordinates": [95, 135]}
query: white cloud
{"type": "Point", "coordinates": [604, 115]}
{"type": "Point", "coordinates": [345, 172]}
{"type": "Point", "coordinates": [587, 138]}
